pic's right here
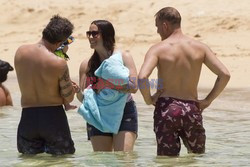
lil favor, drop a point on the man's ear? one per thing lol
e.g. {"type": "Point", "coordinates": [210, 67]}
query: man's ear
{"type": "Point", "coordinates": [166, 25]}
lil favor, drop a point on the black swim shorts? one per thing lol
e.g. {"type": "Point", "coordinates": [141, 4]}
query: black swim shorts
{"type": "Point", "coordinates": [44, 129]}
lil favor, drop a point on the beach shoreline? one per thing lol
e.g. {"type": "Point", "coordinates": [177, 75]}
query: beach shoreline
{"type": "Point", "coordinates": [217, 25]}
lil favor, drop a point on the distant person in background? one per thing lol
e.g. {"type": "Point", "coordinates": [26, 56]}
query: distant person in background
{"type": "Point", "coordinates": [5, 98]}
{"type": "Point", "coordinates": [45, 85]}
{"type": "Point", "coordinates": [178, 112]}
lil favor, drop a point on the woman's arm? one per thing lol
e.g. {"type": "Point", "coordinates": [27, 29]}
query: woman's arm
{"type": "Point", "coordinates": [131, 87]}
{"type": "Point", "coordinates": [82, 79]}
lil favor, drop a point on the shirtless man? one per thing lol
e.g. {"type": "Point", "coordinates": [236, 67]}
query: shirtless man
{"type": "Point", "coordinates": [5, 98]}
{"type": "Point", "coordinates": [45, 84]}
{"type": "Point", "coordinates": [178, 112]}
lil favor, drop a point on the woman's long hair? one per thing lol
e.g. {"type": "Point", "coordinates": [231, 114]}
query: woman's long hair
{"type": "Point", "coordinates": [108, 35]}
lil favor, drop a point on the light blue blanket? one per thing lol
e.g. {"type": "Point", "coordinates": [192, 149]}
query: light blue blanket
{"type": "Point", "coordinates": [105, 109]}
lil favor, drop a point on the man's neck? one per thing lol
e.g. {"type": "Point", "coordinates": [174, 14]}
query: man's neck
{"type": "Point", "coordinates": [47, 45]}
{"type": "Point", "coordinates": [175, 34]}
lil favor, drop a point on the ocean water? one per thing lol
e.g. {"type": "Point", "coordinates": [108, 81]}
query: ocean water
{"type": "Point", "coordinates": [227, 124]}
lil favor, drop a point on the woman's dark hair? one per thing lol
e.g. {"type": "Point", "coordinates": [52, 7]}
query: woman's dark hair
{"type": "Point", "coordinates": [57, 30]}
{"type": "Point", "coordinates": [108, 35]}
{"type": "Point", "coordinates": [5, 67]}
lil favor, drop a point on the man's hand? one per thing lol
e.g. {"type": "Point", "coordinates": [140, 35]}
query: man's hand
{"type": "Point", "coordinates": [203, 104]}
{"type": "Point", "coordinates": [156, 96]}
{"type": "Point", "coordinates": [76, 88]}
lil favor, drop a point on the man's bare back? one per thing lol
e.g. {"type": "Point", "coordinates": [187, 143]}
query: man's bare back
{"type": "Point", "coordinates": [179, 60]}
{"type": "Point", "coordinates": [179, 65]}
{"type": "Point", "coordinates": [38, 72]}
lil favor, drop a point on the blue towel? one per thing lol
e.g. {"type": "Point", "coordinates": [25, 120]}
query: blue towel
{"type": "Point", "coordinates": [105, 109]}
{"type": "Point", "coordinates": [113, 70]}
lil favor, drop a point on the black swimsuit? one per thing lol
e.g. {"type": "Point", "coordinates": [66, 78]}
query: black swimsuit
{"type": "Point", "coordinates": [44, 129]}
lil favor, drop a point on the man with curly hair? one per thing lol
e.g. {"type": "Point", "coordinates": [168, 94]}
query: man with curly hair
{"type": "Point", "coordinates": [45, 84]}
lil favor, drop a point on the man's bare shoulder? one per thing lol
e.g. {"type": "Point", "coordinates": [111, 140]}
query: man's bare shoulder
{"type": "Point", "coordinates": [57, 62]}
{"type": "Point", "coordinates": [24, 49]}
{"type": "Point", "coordinates": [159, 47]}
{"type": "Point", "coordinates": [194, 43]}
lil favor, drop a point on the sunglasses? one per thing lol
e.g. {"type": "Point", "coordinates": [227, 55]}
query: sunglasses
{"type": "Point", "coordinates": [93, 33]}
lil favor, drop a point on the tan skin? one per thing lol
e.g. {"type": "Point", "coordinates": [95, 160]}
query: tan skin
{"type": "Point", "coordinates": [5, 98]}
{"type": "Point", "coordinates": [179, 59]}
{"type": "Point", "coordinates": [43, 77]}
{"type": "Point", "coordinates": [68, 106]}
{"type": "Point", "coordinates": [124, 140]}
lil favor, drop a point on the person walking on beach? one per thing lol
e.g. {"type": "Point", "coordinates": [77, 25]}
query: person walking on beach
{"type": "Point", "coordinates": [5, 97]}
{"type": "Point", "coordinates": [178, 112]}
{"type": "Point", "coordinates": [45, 84]}
{"type": "Point", "coordinates": [101, 37]}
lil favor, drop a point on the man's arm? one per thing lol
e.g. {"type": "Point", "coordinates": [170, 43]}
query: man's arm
{"type": "Point", "coordinates": [66, 88]}
{"type": "Point", "coordinates": [223, 76]}
{"type": "Point", "coordinates": [150, 62]}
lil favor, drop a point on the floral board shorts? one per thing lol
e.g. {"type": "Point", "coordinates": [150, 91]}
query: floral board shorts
{"type": "Point", "coordinates": [174, 119]}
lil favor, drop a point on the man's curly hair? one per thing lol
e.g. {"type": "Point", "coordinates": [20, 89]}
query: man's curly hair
{"type": "Point", "coordinates": [58, 29]}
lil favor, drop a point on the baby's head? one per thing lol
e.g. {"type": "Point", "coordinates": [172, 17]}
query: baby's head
{"type": "Point", "coordinates": [5, 67]}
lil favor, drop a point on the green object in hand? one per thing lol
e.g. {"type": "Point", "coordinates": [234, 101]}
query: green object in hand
{"type": "Point", "coordinates": [59, 51]}
{"type": "Point", "coordinates": [61, 54]}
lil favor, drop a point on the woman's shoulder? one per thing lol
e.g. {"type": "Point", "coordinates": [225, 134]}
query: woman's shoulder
{"type": "Point", "coordinates": [124, 53]}
{"type": "Point", "coordinates": [84, 64]}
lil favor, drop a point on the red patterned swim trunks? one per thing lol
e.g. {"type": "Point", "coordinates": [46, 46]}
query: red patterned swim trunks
{"type": "Point", "coordinates": [174, 119]}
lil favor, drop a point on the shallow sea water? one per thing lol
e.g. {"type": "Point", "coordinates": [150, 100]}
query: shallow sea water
{"type": "Point", "coordinates": [227, 124]}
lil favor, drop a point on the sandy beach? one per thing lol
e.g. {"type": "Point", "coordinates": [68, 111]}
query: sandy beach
{"type": "Point", "coordinates": [223, 25]}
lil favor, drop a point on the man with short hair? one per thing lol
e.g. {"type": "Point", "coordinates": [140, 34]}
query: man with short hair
{"type": "Point", "coordinates": [45, 83]}
{"type": "Point", "coordinates": [179, 58]}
